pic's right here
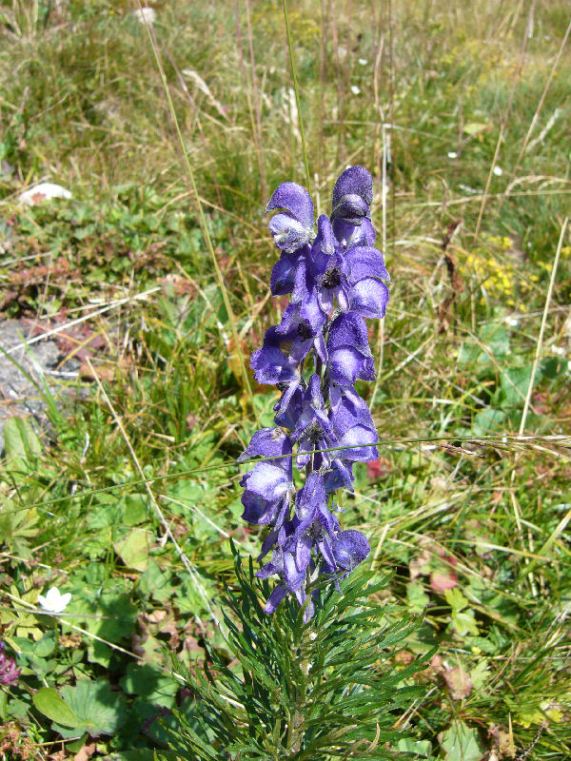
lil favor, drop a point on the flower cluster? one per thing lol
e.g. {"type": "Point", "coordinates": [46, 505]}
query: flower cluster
{"type": "Point", "coordinates": [9, 672]}
{"type": "Point", "coordinates": [316, 354]}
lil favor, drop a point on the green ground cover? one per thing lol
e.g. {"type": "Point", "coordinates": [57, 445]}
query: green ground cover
{"type": "Point", "coordinates": [129, 497]}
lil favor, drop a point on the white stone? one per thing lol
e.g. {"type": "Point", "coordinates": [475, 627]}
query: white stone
{"type": "Point", "coordinates": [44, 191]}
{"type": "Point", "coordinates": [146, 16]}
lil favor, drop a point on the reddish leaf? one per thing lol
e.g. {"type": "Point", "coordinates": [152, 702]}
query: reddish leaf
{"type": "Point", "coordinates": [442, 580]}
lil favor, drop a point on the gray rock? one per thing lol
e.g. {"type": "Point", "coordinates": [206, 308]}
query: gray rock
{"type": "Point", "coordinates": [21, 380]}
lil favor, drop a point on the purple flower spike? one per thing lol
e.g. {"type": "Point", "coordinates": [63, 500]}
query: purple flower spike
{"type": "Point", "coordinates": [9, 672]}
{"type": "Point", "coordinates": [315, 356]}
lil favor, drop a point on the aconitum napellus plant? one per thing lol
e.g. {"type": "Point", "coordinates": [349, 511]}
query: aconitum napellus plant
{"type": "Point", "coordinates": [337, 280]}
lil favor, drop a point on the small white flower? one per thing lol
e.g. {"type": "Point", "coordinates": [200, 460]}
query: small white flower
{"type": "Point", "coordinates": [363, 61]}
{"type": "Point", "coordinates": [498, 171]}
{"type": "Point", "coordinates": [54, 601]}
{"type": "Point", "coordinates": [559, 351]}
{"type": "Point", "coordinates": [355, 90]}
{"type": "Point", "coordinates": [513, 322]}
{"type": "Point", "coordinates": [43, 192]}
{"type": "Point", "coordinates": [452, 155]}
{"type": "Point", "coordinates": [146, 16]}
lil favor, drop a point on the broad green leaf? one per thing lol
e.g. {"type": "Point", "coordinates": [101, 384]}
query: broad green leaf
{"type": "Point", "coordinates": [480, 675]}
{"type": "Point", "coordinates": [456, 599]}
{"type": "Point", "coordinates": [421, 748]}
{"type": "Point", "coordinates": [416, 597]}
{"type": "Point", "coordinates": [21, 444]}
{"type": "Point", "coordinates": [156, 583]}
{"type": "Point", "coordinates": [495, 339]}
{"type": "Point", "coordinates": [151, 684]}
{"type": "Point", "coordinates": [109, 611]}
{"type": "Point", "coordinates": [48, 702]}
{"type": "Point", "coordinates": [514, 384]}
{"type": "Point", "coordinates": [463, 619]}
{"type": "Point", "coordinates": [134, 549]}
{"type": "Point", "coordinates": [100, 710]}
{"type": "Point", "coordinates": [493, 342]}
{"type": "Point", "coordinates": [461, 743]}
{"type": "Point", "coordinates": [45, 646]}
{"type": "Point", "coordinates": [488, 420]}
{"type": "Point", "coordinates": [136, 510]}
{"type": "Point", "coordinates": [465, 623]}
{"type": "Point", "coordinates": [476, 128]}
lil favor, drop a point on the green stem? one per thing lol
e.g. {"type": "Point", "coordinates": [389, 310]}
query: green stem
{"type": "Point", "coordinates": [296, 722]}
{"type": "Point", "coordinates": [297, 96]}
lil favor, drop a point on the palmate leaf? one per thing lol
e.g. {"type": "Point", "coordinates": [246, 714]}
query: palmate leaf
{"type": "Point", "coordinates": [288, 690]}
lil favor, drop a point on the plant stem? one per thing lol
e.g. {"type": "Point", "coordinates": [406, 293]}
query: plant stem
{"type": "Point", "coordinates": [295, 730]}
{"type": "Point", "coordinates": [297, 96]}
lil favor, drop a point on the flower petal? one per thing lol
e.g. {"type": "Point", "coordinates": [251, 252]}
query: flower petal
{"type": "Point", "coordinates": [325, 241]}
{"type": "Point", "coordinates": [365, 261]}
{"type": "Point", "coordinates": [270, 364]}
{"type": "Point", "coordinates": [348, 349]}
{"type": "Point", "coordinates": [288, 409]}
{"type": "Point", "coordinates": [269, 442]}
{"type": "Point", "coordinates": [289, 234]}
{"type": "Point", "coordinates": [296, 200]}
{"type": "Point", "coordinates": [370, 297]}
{"type": "Point", "coordinates": [266, 493]}
{"type": "Point", "coordinates": [275, 599]}
{"type": "Point", "coordinates": [349, 330]}
{"type": "Point", "coordinates": [311, 498]}
{"type": "Point", "coordinates": [354, 232]}
{"type": "Point", "coordinates": [347, 365]}
{"type": "Point", "coordinates": [355, 181]}
{"type": "Point", "coordinates": [360, 443]}
{"type": "Point", "coordinates": [283, 274]}
{"type": "Point", "coordinates": [350, 549]}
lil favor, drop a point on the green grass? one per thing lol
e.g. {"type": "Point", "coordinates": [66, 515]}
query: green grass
{"type": "Point", "coordinates": [461, 501]}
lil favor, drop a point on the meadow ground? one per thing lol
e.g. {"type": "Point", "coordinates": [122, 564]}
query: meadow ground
{"type": "Point", "coordinates": [127, 496]}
